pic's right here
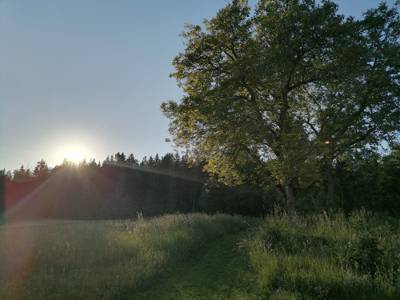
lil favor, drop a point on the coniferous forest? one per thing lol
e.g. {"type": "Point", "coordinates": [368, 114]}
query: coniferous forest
{"type": "Point", "coordinates": [122, 187]}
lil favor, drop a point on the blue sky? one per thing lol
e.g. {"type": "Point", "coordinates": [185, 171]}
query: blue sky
{"type": "Point", "coordinates": [93, 73]}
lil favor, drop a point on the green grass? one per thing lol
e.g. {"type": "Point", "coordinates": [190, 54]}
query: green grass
{"type": "Point", "coordinates": [203, 257]}
{"type": "Point", "coordinates": [324, 257]}
{"type": "Point", "coordinates": [102, 259]}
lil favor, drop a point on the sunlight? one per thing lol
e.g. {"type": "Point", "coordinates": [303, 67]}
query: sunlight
{"type": "Point", "coordinates": [75, 153]}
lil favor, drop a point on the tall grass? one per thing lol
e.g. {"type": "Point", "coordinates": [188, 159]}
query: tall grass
{"type": "Point", "coordinates": [327, 257]}
{"type": "Point", "coordinates": [100, 259]}
{"type": "Point", "coordinates": [198, 257]}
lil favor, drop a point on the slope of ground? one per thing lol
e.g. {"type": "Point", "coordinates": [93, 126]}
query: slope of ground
{"type": "Point", "coordinates": [102, 259]}
{"type": "Point", "coordinates": [203, 257]}
{"type": "Point", "coordinates": [219, 271]}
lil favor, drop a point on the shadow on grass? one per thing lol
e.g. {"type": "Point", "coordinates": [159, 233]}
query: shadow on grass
{"type": "Point", "coordinates": [296, 243]}
{"type": "Point", "coordinates": [313, 287]}
{"type": "Point", "coordinates": [217, 270]}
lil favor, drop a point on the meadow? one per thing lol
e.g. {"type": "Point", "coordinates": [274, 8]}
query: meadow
{"type": "Point", "coordinates": [200, 256]}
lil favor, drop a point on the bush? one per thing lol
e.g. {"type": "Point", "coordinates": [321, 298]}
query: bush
{"type": "Point", "coordinates": [365, 255]}
{"type": "Point", "coordinates": [327, 256]}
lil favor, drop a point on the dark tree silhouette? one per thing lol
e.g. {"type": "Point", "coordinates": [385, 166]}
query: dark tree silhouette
{"type": "Point", "coordinates": [41, 169]}
{"type": "Point", "coordinates": [2, 194]}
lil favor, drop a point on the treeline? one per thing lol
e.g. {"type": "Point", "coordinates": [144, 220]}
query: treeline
{"type": "Point", "coordinates": [367, 180]}
{"type": "Point", "coordinates": [168, 162]}
{"type": "Point", "coordinates": [122, 186]}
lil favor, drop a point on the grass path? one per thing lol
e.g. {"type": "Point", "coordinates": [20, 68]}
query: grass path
{"type": "Point", "coordinates": [219, 271]}
{"type": "Point", "coordinates": [169, 257]}
{"type": "Point", "coordinates": [202, 257]}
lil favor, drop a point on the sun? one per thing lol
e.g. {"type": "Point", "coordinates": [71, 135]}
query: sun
{"type": "Point", "coordinates": [75, 153]}
{"type": "Point", "coordinates": [74, 156]}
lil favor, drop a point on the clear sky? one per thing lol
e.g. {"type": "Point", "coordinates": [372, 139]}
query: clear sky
{"type": "Point", "coordinates": [93, 73]}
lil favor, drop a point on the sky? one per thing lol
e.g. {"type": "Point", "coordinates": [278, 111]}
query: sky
{"type": "Point", "coordinates": [89, 75]}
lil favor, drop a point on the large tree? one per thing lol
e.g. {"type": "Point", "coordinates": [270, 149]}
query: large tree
{"type": "Point", "coordinates": [286, 89]}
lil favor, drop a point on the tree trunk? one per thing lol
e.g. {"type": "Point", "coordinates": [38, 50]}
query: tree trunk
{"type": "Point", "coordinates": [331, 188]}
{"type": "Point", "coordinates": [290, 198]}
{"type": "Point", "coordinates": [331, 177]}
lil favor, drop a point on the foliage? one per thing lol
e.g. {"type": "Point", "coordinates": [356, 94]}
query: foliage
{"type": "Point", "coordinates": [244, 200]}
{"type": "Point", "coordinates": [327, 257]}
{"type": "Point", "coordinates": [286, 91]}
{"type": "Point", "coordinates": [171, 183]}
{"type": "Point", "coordinates": [41, 170]}
{"type": "Point", "coordinates": [116, 189]}
{"type": "Point", "coordinates": [365, 256]}
{"type": "Point", "coordinates": [370, 181]}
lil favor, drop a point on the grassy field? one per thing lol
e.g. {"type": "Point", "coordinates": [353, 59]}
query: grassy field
{"type": "Point", "coordinates": [203, 257]}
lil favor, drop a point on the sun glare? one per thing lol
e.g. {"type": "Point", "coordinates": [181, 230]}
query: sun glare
{"type": "Point", "coordinates": [75, 153]}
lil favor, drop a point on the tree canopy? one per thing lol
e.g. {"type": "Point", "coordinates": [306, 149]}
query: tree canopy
{"type": "Point", "coordinates": [286, 90]}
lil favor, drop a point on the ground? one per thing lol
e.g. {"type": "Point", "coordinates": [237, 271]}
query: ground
{"type": "Point", "coordinates": [203, 257]}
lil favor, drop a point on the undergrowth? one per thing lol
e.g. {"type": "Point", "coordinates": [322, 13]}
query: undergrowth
{"type": "Point", "coordinates": [327, 257]}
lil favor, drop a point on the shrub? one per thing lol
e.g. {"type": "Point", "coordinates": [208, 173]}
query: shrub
{"type": "Point", "coordinates": [365, 255]}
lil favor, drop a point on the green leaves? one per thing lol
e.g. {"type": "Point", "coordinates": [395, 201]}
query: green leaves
{"type": "Point", "coordinates": [269, 87]}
